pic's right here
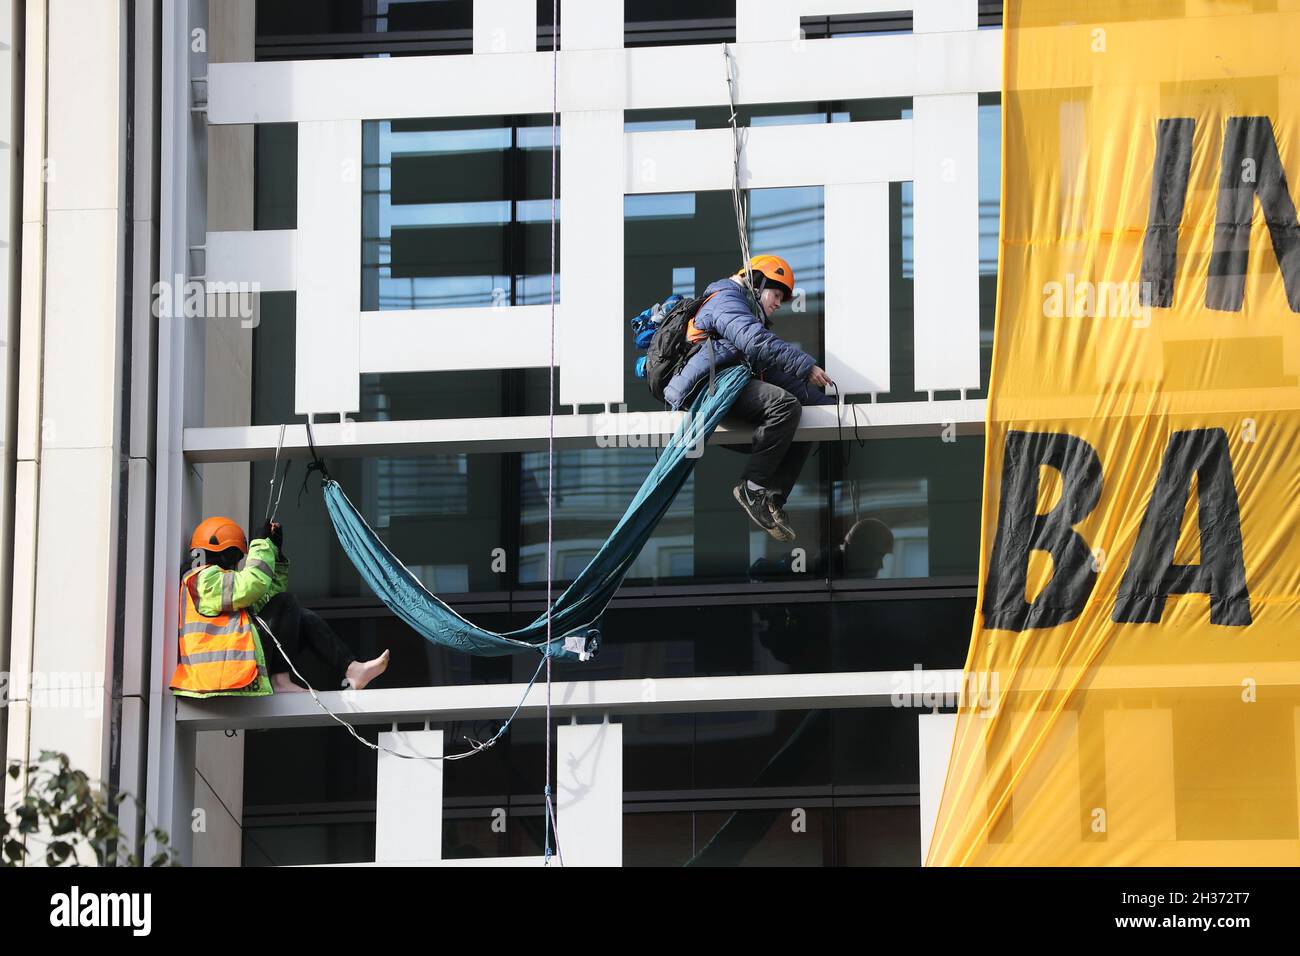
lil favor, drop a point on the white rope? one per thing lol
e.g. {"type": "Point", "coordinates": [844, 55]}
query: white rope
{"type": "Point", "coordinates": [273, 499]}
{"type": "Point", "coordinates": [477, 746]}
{"type": "Point", "coordinates": [548, 822]}
{"type": "Point", "coordinates": [739, 201]}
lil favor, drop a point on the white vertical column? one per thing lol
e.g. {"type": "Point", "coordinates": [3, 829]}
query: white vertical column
{"type": "Point", "coordinates": [945, 131]}
{"type": "Point", "coordinates": [591, 25]}
{"type": "Point", "coordinates": [78, 372]}
{"type": "Point", "coordinates": [857, 286]}
{"type": "Point", "coordinates": [505, 26]}
{"type": "Point", "coordinates": [944, 16]}
{"type": "Point", "coordinates": [591, 322]}
{"type": "Point", "coordinates": [934, 736]}
{"type": "Point", "coordinates": [10, 133]}
{"type": "Point", "coordinates": [759, 20]}
{"type": "Point", "coordinates": [18, 566]}
{"type": "Point", "coordinates": [327, 267]}
{"type": "Point", "coordinates": [408, 798]}
{"type": "Point", "coordinates": [589, 794]}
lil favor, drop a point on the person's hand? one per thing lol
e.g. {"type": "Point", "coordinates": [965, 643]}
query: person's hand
{"type": "Point", "coordinates": [819, 377]}
{"type": "Point", "coordinates": [273, 532]}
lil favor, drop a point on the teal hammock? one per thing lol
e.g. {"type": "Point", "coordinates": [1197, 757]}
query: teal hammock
{"type": "Point", "coordinates": [575, 633]}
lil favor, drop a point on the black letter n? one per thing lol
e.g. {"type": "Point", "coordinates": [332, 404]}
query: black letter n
{"type": "Point", "coordinates": [1250, 166]}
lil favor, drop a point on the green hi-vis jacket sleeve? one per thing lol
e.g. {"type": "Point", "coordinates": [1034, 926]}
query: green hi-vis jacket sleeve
{"type": "Point", "coordinates": [263, 576]}
{"type": "Point", "coordinates": [278, 584]}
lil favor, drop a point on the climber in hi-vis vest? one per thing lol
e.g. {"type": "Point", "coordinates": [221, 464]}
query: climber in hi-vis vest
{"type": "Point", "coordinates": [221, 652]}
{"type": "Point", "coordinates": [729, 330]}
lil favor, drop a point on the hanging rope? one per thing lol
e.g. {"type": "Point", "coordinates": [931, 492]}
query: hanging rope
{"type": "Point", "coordinates": [477, 747]}
{"type": "Point", "coordinates": [272, 496]}
{"type": "Point", "coordinates": [739, 198]}
{"type": "Point", "coordinates": [548, 822]}
{"type": "Point", "coordinates": [848, 449]}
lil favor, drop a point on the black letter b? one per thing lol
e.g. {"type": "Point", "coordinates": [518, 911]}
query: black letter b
{"type": "Point", "coordinates": [1020, 531]}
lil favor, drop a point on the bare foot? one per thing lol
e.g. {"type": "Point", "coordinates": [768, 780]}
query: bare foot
{"type": "Point", "coordinates": [361, 673]}
{"type": "Point", "coordinates": [282, 684]}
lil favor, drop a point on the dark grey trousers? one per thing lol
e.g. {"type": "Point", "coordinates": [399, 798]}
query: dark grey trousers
{"type": "Point", "coordinates": [775, 459]}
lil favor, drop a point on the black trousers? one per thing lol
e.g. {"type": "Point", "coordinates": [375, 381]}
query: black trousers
{"type": "Point", "coordinates": [318, 653]}
{"type": "Point", "coordinates": [775, 459]}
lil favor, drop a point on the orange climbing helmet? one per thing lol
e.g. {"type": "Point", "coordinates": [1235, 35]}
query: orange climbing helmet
{"type": "Point", "coordinates": [218, 534]}
{"type": "Point", "coordinates": [774, 269]}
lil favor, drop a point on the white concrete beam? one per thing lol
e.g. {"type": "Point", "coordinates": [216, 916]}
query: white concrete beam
{"type": "Point", "coordinates": [486, 701]}
{"type": "Point", "coordinates": [420, 340]}
{"type": "Point", "coordinates": [264, 256]}
{"type": "Point", "coordinates": [671, 161]}
{"type": "Point", "coordinates": [670, 76]}
{"type": "Point", "coordinates": [522, 433]}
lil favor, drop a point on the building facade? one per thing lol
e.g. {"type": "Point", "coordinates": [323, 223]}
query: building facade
{"type": "Point", "coordinates": [342, 212]}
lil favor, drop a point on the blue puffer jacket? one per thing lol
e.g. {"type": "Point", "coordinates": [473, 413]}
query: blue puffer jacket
{"type": "Point", "coordinates": [736, 336]}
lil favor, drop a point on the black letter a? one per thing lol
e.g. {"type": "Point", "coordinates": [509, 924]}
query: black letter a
{"type": "Point", "coordinates": [1151, 575]}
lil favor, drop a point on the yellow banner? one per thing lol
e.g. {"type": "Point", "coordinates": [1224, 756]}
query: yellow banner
{"type": "Point", "coordinates": [1137, 642]}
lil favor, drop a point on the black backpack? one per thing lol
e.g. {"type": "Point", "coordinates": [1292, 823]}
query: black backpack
{"type": "Point", "coordinates": [669, 350]}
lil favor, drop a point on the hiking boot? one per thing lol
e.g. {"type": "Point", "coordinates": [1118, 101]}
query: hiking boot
{"type": "Point", "coordinates": [758, 505]}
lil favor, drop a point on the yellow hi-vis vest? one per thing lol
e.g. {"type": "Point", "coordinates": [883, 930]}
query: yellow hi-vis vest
{"type": "Point", "coordinates": [218, 653]}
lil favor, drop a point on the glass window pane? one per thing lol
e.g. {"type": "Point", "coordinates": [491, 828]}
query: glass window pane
{"type": "Point", "coordinates": [275, 182]}
{"type": "Point", "coordinates": [908, 508]}
{"type": "Point", "coordinates": [764, 836]}
{"type": "Point", "coordinates": [878, 836]}
{"type": "Point", "coordinates": [292, 29]}
{"type": "Point", "coordinates": [442, 514]}
{"type": "Point", "coordinates": [593, 487]}
{"type": "Point", "coordinates": [456, 213]}
{"type": "Point", "coordinates": [675, 22]}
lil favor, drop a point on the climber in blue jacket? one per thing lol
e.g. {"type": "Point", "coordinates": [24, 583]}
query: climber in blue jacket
{"type": "Point", "coordinates": [729, 330]}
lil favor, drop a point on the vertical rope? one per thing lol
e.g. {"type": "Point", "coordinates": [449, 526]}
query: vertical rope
{"type": "Point", "coordinates": [548, 822]}
{"type": "Point", "coordinates": [739, 200]}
